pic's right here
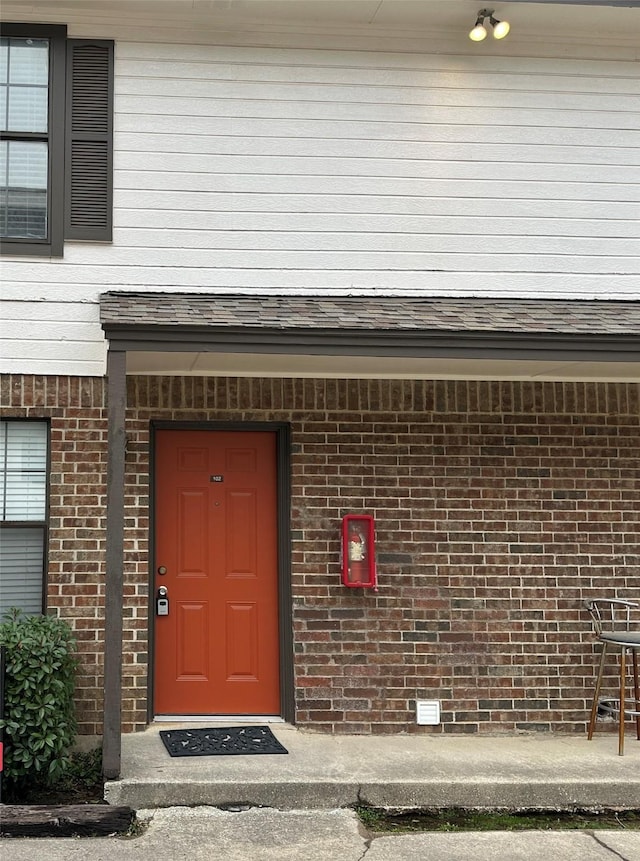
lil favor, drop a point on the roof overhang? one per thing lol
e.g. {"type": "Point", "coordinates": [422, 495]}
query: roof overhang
{"type": "Point", "coordinates": [275, 340]}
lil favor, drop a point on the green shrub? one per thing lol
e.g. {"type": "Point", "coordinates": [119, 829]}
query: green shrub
{"type": "Point", "coordinates": [39, 722]}
{"type": "Point", "coordinates": [83, 775]}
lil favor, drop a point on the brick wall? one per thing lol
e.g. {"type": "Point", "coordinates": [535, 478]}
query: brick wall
{"type": "Point", "coordinates": [77, 488]}
{"type": "Point", "coordinates": [498, 506]}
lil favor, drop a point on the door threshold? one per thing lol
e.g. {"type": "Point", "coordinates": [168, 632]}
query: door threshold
{"type": "Point", "coordinates": [218, 719]}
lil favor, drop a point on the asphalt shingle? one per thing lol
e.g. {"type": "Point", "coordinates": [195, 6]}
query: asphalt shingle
{"type": "Point", "coordinates": [375, 313]}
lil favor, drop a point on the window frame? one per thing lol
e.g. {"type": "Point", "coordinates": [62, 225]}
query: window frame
{"type": "Point", "coordinates": [36, 524]}
{"type": "Point", "coordinates": [52, 245]}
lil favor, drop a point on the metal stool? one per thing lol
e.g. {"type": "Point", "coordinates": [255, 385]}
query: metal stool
{"type": "Point", "coordinates": [612, 626]}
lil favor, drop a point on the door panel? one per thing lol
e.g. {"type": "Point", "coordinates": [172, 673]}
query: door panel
{"type": "Point", "coordinates": [242, 534]}
{"type": "Point", "coordinates": [191, 533]}
{"type": "Point", "coordinates": [217, 651]}
{"type": "Point", "coordinates": [242, 641]}
{"type": "Point", "coordinates": [192, 647]}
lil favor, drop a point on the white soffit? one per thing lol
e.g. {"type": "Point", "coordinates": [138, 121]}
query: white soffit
{"type": "Point", "coordinates": [593, 19]}
{"type": "Point", "coordinates": [367, 367]}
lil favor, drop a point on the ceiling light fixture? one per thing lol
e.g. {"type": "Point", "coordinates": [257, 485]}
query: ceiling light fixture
{"type": "Point", "coordinates": [479, 32]}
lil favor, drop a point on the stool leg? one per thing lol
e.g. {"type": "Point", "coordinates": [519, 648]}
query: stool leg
{"type": "Point", "coordinates": [636, 691]}
{"type": "Point", "coordinates": [594, 707]}
{"type": "Point", "coordinates": [623, 680]}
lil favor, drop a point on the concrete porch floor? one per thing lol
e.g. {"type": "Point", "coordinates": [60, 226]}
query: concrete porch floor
{"type": "Point", "coordinates": [323, 771]}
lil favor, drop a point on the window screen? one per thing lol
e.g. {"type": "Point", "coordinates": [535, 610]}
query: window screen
{"type": "Point", "coordinates": [24, 154]}
{"type": "Point", "coordinates": [23, 514]}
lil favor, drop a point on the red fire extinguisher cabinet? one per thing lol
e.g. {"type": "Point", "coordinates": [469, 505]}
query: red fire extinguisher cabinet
{"type": "Point", "coordinates": [358, 552]}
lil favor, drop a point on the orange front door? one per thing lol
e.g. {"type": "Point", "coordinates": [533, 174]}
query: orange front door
{"type": "Point", "coordinates": [217, 649]}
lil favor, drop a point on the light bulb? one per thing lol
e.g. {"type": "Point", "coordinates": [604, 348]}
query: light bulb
{"type": "Point", "coordinates": [478, 33]}
{"type": "Point", "coordinates": [501, 29]}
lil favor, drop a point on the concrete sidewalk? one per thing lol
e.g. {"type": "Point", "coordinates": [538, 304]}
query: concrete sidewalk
{"type": "Point", "coordinates": [329, 772]}
{"type": "Point", "coordinates": [204, 833]}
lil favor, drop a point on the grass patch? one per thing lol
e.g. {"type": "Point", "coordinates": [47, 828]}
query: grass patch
{"type": "Point", "coordinates": [137, 828]}
{"type": "Point", "coordinates": [460, 819]}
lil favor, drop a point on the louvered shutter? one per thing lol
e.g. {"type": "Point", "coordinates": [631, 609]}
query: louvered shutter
{"type": "Point", "coordinates": [89, 140]}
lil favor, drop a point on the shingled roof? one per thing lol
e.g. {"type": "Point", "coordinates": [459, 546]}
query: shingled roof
{"type": "Point", "coordinates": [374, 313]}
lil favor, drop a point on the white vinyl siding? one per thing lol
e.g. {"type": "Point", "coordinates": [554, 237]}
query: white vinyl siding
{"type": "Point", "coordinates": [271, 169]}
{"type": "Point", "coordinates": [23, 512]}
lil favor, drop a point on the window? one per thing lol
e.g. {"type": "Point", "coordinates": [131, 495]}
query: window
{"type": "Point", "coordinates": [23, 510]}
{"type": "Point", "coordinates": [56, 127]}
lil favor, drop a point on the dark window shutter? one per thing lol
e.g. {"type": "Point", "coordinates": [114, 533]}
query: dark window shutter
{"type": "Point", "coordinates": [89, 140]}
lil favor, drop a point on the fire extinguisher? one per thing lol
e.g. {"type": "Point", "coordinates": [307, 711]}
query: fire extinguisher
{"type": "Point", "coordinates": [358, 552]}
{"type": "Point", "coordinates": [357, 556]}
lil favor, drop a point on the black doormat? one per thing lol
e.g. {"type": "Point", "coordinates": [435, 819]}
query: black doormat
{"type": "Point", "coordinates": [224, 741]}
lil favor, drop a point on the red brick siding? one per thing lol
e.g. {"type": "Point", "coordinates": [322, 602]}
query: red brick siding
{"type": "Point", "coordinates": [77, 487]}
{"type": "Point", "coordinates": [498, 506]}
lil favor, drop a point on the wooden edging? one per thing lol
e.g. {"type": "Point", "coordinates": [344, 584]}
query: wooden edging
{"type": "Point", "coordinates": [71, 820]}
